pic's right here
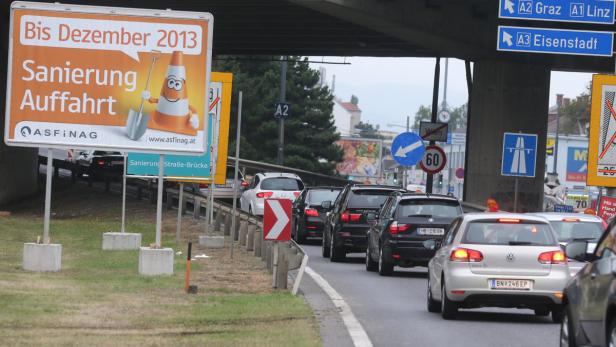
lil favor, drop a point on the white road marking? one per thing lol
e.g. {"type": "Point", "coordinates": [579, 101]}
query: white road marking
{"type": "Point", "coordinates": [356, 330]}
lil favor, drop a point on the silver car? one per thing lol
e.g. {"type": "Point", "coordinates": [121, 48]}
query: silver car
{"type": "Point", "coordinates": [575, 227]}
{"type": "Point", "coordinates": [497, 260]}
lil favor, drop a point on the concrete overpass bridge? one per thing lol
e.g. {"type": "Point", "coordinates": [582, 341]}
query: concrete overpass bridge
{"type": "Point", "coordinates": [509, 91]}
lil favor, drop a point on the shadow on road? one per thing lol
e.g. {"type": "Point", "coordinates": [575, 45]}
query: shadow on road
{"type": "Point", "coordinates": [504, 317]}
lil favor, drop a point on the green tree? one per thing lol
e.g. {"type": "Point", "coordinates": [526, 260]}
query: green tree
{"type": "Point", "coordinates": [368, 131]}
{"type": "Point", "coordinates": [576, 115]}
{"type": "Point", "coordinates": [310, 134]}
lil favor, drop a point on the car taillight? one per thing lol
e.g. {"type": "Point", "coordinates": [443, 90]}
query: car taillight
{"type": "Point", "coordinates": [100, 162]}
{"type": "Point", "coordinates": [263, 195]}
{"type": "Point", "coordinates": [552, 257]}
{"type": "Point", "coordinates": [395, 228]}
{"type": "Point", "coordinates": [203, 185]}
{"type": "Point", "coordinates": [311, 212]}
{"type": "Point", "coordinates": [571, 219]}
{"type": "Point", "coordinates": [244, 184]}
{"type": "Point", "coordinates": [466, 255]}
{"type": "Point", "coordinates": [350, 217]}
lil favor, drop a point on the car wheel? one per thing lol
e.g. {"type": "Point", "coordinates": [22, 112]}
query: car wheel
{"type": "Point", "coordinates": [557, 313]}
{"type": "Point", "coordinates": [433, 305]}
{"type": "Point", "coordinates": [566, 332]}
{"type": "Point", "coordinates": [336, 254]}
{"type": "Point", "coordinates": [385, 267]}
{"type": "Point", "coordinates": [324, 247]}
{"type": "Point", "coordinates": [371, 265]}
{"type": "Point", "coordinates": [449, 309]}
{"type": "Point", "coordinates": [542, 312]}
{"type": "Point", "coordinates": [611, 338]}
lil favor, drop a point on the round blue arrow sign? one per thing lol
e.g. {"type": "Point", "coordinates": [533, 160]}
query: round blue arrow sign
{"type": "Point", "coordinates": [407, 149]}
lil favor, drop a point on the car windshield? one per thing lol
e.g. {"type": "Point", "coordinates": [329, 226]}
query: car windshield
{"type": "Point", "coordinates": [508, 233]}
{"type": "Point", "coordinates": [428, 207]}
{"type": "Point", "coordinates": [568, 231]}
{"type": "Point", "coordinates": [282, 183]}
{"type": "Point", "coordinates": [317, 196]}
{"type": "Point", "coordinates": [368, 198]}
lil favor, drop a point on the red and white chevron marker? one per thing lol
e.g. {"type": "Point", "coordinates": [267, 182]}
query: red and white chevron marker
{"type": "Point", "coordinates": [277, 220]}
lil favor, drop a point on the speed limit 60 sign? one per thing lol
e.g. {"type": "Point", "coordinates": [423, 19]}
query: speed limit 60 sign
{"type": "Point", "coordinates": [434, 160]}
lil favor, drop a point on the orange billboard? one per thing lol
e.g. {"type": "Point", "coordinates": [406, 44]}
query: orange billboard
{"type": "Point", "coordinates": [108, 78]}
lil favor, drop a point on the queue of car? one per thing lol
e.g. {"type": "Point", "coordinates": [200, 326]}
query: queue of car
{"type": "Point", "coordinates": [558, 264]}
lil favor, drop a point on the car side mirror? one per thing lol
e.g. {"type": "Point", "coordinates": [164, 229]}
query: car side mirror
{"type": "Point", "coordinates": [578, 250]}
{"type": "Point", "coordinates": [432, 244]}
{"type": "Point", "coordinates": [326, 204]}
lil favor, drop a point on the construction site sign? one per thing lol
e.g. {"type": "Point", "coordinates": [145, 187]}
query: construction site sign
{"type": "Point", "coordinates": [108, 78]}
{"type": "Point", "coordinates": [602, 137]}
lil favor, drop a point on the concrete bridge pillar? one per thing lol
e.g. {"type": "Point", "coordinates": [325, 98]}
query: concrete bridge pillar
{"type": "Point", "coordinates": [506, 97]}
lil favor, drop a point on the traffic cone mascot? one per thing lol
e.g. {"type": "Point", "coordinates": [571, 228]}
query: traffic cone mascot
{"type": "Point", "coordinates": [173, 112]}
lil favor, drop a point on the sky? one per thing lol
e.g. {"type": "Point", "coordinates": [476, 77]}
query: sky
{"type": "Point", "coordinates": [389, 89]}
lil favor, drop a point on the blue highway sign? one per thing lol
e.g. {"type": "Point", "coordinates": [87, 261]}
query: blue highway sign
{"type": "Point", "coordinates": [555, 41]}
{"type": "Point", "coordinates": [582, 11]}
{"type": "Point", "coordinates": [407, 149]}
{"type": "Point", "coordinates": [563, 208]}
{"type": "Point", "coordinates": [519, 155]}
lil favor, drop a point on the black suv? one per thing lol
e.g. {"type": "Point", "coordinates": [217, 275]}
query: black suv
{"type": "Point", "coordinates": [309, 211]}
{"type": "Point", "coordinates": [590, 297]}
{"type": "Point", "coordinates": [398, 234]}
{"type": "Point", "coordinates": [347, 225]}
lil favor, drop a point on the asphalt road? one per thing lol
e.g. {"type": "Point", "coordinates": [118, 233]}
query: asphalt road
{"type": "Point", "coordinates": [393, 311]}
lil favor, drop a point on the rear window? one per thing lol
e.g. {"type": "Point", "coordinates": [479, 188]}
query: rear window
{"type": "Point", "coordinates": [317, 196]}
{"type": "Point", "coordinates": [568, 231]}
{"type": "Point", "coordinates": [429, 208]}
{"type": "Point", "coordinates": [282, 183]}
{"type": "Point", "coordinates": [512, 234]}
{"type": "Point", "coordinates": [368, 198]}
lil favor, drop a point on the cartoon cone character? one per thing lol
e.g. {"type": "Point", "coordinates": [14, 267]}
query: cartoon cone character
{"type": "Point", "coordinates": [173, 112]}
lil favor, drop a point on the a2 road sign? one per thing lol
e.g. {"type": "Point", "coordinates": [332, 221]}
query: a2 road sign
{"type": "Point", "coordinates": [282, 110]}
{"type": "Point", "coordinates": [277, 220]}
{"type": "Point", "coordinates": [555, 41]}
{"type": "Point", "coordinates": [581, 11]}
{"type": "Point", "coordinates": [434, 160]}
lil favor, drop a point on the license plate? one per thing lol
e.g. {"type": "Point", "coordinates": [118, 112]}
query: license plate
{"type": "Point", "coordinates": [431, 231]}
{"type": "Point", "coordinates": [511, 284]}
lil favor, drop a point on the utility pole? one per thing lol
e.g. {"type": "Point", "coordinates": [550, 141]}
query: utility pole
{"type": "Point", "coordinates": [437, 74]}
{"type": "Point", "coordinates": [283, 97]}
{"type": "Point", "coordinates": [555, 152]}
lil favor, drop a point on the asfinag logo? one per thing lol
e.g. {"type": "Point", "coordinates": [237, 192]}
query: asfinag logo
{"type": "Point", "coordinates": [26, 131]}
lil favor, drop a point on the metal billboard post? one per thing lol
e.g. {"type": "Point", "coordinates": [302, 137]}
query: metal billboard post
{"type": "Point", "coordinates": [515, 196]}
{"type": "Point", "coordinates": [159, 202]}
{"type": "Point", "coordinates": [180, 206]}
{"type": "Point", "coordinates": [48, 176]}
{"type": "Point", "coordinates": [237, 165]}
{"type": "Point", "coordinates": [123, 227]}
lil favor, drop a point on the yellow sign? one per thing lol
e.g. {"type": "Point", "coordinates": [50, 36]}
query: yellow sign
{"type": "Point", "coordinates": [549, 146]}
{"type": "Point", "coordinates": [602, 138]}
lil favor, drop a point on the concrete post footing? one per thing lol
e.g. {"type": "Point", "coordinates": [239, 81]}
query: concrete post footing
{"type": "Point", "coordinates": [212, 241]}
{"type": "Point", "coordinates": [155, 261]}
{"type": "Point", "coordinates": [42, 257]}
{"type": "Point", "coordinates": [114, 241]}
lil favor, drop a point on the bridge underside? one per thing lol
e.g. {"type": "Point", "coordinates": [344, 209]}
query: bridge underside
{"type": "Point", "coordinates": [464, 29]}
